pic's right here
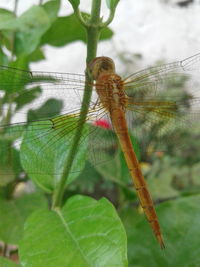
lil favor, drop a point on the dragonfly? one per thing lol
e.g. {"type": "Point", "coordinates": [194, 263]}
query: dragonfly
{"type": "Point", "coordinates": [116, 106]}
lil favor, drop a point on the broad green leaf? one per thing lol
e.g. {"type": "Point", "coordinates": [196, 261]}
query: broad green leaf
{"type": "Point", "coordinates": [14, 213]}
{"type": "Point", "coordinates": [115, 170]}
{"type": "Point", "coordinates": [11, 81]}
{"type": "Point", "coordinates": [31, 25]}
{"type": "Point", "coordinates": [120, 173]}
{"type": "Point", "coordinates": [45, 150]}
{"type": "Point", "coordinates": [87, 180]}
{"type": "Point", "coordinates": [85, 232]}
{"type": "Point", "coordinates": [6, 12]}
{"type": "Point", "coordinates": [37, 55]}
{"type": "Point", "coordinates": [8, 263]}
{"type": "Point", "coordinates": [160, 177]}
{"type": "Point", "coordinates": [75, 3]}
{"type": "Point", "coordinates": [7, 20]}
{"type": "Point", "coordinates": [3, 58]}
{"type": "Point", "coordinates": [16, 78]}
{"type": "Point", "coordinates": [10, 163]}
{"type": "Point", "coordinates": [111, 4]}
{"type": "Point", "coordinates": [52, 8]}
{"type": "Point", "coordinates": [106, 33]}
{"type": "Point", "coordinates": [68, 29]}
{"type": "Point", "coordinates": [50, 108]}
{"type": "Point", "coordinates": [180, 224]}
{"type": "Point", "coordinates": [10, 134]}
{"type": "Point", "coordinates": [109, 150]}
{"type": "Point", "coordinates": [28, 28]}
{"type": "Point", "coordinates": [7, 40]}
{"type": "Point", "coordinates": [19, 63]}
{"type": "Point", "coordinates": [8, 174]}
{"type": "Point", "coordinates": [27, 96]}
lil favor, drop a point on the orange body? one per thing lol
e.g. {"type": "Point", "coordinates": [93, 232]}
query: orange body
{"type": "Point", "coordinates": [114, 101]}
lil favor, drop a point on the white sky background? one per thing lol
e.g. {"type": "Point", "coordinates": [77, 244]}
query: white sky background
{"type": "Point", "coordinates": [152, 28]}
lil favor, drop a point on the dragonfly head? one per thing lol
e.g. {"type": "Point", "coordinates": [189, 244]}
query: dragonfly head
{"type": "Point", "coordinates": [101, 65]}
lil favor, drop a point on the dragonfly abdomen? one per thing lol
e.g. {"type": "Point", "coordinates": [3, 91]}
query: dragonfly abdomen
{"type": "Point", "coordinates": [120, 126]}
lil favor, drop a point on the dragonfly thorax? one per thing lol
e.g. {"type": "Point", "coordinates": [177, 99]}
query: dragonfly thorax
{"type": "Point", "coordinates": [110, 89]}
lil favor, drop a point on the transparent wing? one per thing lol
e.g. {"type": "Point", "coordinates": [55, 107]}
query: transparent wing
{"type": "Point", "coordinates": [159, 101]}
{"type": "Point", "coordinates": [150, 79]}
{"type": "Point", "coordinates": [16, 78]}
{"type": "Point", "coordinates": [163, 103]}
{"type": "Point", "coordinates": [20, 86]}
{"type": "Point", "coordinates": [47, 137]}
{"type": "Point", "coordinates": [46, 144]}
{"type": "Point", "coordinates": [161, 126]}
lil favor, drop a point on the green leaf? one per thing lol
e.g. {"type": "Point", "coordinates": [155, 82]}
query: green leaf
{"type": "Point", "coordinates": [50, 108]}
{"type": "Point", "coordinates": [16, 77]}
{"type": "Point", "coordinates": [10, 163]}
{"type": "Point", "coordinates": [52, 8]}
{"type": "Point", "coordinates": [68, 29]}
{"type": "Point", "coordinates": [85, 232]}
{"type": "Point", "coordinates": [27, 96]}
{"type": "Point", "coordinates": [87, 180]}
{"type": "Point", "coordinates": [179, 220]}
{"type": "Point", "coordinates": [7, 174]}
{"type": "Point", "coordinates": [111, 4]}
{"type": "Point", "coordinates": [20, 63]}
{"type": "Point", "coordinates": [106, 33]}
{"type": "Point", "coordinates": [7, 20]}
{"type": "Point", "coordinates": [160, 177]}
{"type": "Point", "coordinates": [120, 173]}
{"type": "Point", "coordinates": [10, 134]}
{"type": "Point", "coordinates": [45, 149]}
{"type": "Point", "coordinates": [75, 3]}
{"type": "Point", "coordinates": [28, 28]}
{"type": "Point", "coordinates": [31, 25]}
{"type": "Point", "coordinates": [37, 55]}
{"type": "Point", "coordinates": [7, 263]}
{"type": "Point", "coordinates": [3, 58]}
{"type": "Point", "coordinates": [7, 27]}
{"type": "Point", "coordinates": [5, 12]}
{"type": "Point", "coordinates": [11, 81]}
{"type": "Point", "coordinates": [14, 213]}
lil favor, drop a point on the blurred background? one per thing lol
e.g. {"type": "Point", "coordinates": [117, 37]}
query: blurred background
{"type": "Point", "coordinates": [156, 30]}
{"type": "Point", "coordinates": [142, 34]}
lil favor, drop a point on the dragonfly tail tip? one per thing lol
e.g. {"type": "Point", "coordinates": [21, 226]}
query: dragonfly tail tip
{"type": "Point", "coordinates": [161, 242]}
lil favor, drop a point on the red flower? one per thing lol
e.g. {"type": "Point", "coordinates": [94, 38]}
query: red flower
{"type": "Point", "coordinates": [103, 124]}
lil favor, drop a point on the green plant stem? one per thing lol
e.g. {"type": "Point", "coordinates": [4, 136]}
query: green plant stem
{"type": "Point", "coordinates": [14, 33]}
{"type": "Point", "coordinates": [15, 7]}
{"type": "Point", "coordinates": [109, 20]}
{"type": "Point", "coordinates": [93, 32]}
{"type": "Point", "coordinates": [95, 13]}
{"type": "Point", "coordinates": [79, 16]}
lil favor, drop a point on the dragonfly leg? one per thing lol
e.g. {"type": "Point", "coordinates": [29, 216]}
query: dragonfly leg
{"type": "Point", "coordinates": [97, 103]}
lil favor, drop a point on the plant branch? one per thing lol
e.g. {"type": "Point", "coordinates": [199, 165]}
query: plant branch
{"type": "Point", "coordinates": [15, 7]}
{"type": "Point", "coordinates": [14, 33]}
{"type": "Point", "coordinates": [93, 32]}
{"type": "Point", "coordinates": [110, 18]}
{"type": "Point", "coordinates": [80, 18]}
